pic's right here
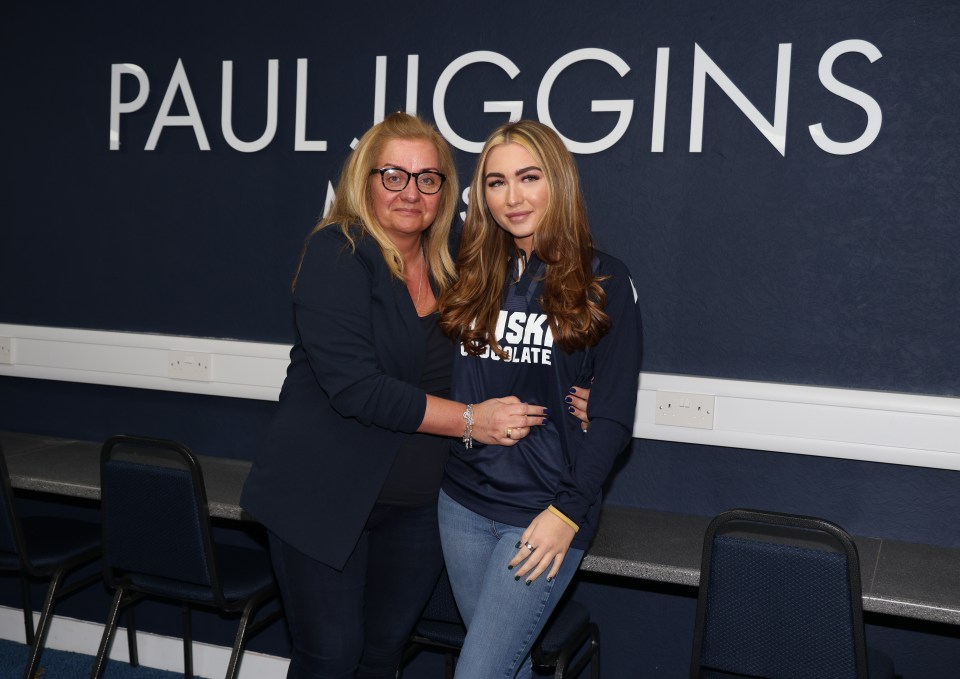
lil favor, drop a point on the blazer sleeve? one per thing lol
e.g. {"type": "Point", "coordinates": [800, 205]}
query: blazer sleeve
{"type": "Point", "coordinates": [334, 311]}
{"type": "Point", "coordinates": [612, 403]}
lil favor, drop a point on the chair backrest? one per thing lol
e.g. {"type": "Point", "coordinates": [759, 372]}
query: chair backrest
{"type": "Point", "coordinates": [442, 607]}
{"type": "Point", "coordinates": [154, 511]}
{"type": "Point", "coordinates": [780, 596]}
{"type": "Point", "coordinates": [11, 535]}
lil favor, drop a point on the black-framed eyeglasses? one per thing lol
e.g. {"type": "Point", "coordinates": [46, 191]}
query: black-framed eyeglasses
{"type": "Point", "coordinates": [395, 179]}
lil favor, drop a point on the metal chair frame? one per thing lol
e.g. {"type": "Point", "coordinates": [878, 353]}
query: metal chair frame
{"type": "Point", "coordinates": [128, 593]}
{"type": "Point", "coordinates": [780, 529]}
{"type": "Point", "coordinates": [74, 552]}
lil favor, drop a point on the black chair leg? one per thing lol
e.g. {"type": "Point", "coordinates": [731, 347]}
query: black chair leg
{"type": "Point", "coordinates": [27, 609]}
{"type": "Point", "coordinates": [187, 643]}
{"type": "Point", "coordinates": [108, 632]}
{"type": "Point", "coordinates": [238, 642]}
{"type": "Point", "coordinates": [132, 639]}
{"type": "Point", "coordinates": [37, 644]}
{"type": "Point", "coordinates": [247, 628]}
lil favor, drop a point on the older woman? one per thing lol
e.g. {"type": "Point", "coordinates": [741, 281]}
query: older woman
{"type": "Point", "coordinates": [347, 482]}
{"type": "Point", "coordinates": [535, 309]}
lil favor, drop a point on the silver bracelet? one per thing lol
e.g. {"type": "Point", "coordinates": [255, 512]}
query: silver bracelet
{"type": "Point", "coordinates": [468, 428]}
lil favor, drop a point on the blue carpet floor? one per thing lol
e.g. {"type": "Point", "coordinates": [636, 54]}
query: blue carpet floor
{"type": "Point", "coordinates": [64, 665]}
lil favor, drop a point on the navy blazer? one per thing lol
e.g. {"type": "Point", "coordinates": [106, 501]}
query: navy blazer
{"type": "Point", "coordinates": [348, 400]}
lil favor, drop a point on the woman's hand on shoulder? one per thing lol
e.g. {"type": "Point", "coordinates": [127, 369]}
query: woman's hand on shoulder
{"type": "Point", "coordinates": [542, 546]}
{"type": "Point", "coordinates": [504, 421]}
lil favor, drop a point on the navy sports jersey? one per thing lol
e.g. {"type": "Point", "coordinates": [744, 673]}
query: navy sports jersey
{"type": "Point", "coordinates": [557, 464]}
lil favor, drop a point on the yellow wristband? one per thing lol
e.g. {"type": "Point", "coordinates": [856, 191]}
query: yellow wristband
{"type": "Point", "coordinates": [556, 512]}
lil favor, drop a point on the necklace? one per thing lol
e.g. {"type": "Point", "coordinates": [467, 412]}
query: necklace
{"type": "Point", "coordinates": [521, 264]}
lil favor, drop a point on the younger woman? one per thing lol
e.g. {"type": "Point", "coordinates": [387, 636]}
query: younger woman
{"type": "Point", "coordinates": [535, 309]}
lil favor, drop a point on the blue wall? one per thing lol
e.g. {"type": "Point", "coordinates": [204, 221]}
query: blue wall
{"type": "Point", "coordinates": [801, 266]}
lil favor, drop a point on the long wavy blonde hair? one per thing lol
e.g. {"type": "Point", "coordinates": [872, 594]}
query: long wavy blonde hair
{"type": "Point", "coordinates": [352, 209]}
{"type": "Point", "coordinates": [572, 296]}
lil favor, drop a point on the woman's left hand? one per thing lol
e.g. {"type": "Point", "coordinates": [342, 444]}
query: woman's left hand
{"type": "Point", "coordinates": [542, 545]}
{"type": "Point", "coordinates": [576, 401]}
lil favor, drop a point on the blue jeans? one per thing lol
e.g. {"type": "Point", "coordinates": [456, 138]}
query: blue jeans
{"type": "Point", "coordinates": [356, 622]}
{"type": "Point", "coordinates": [504, 616]}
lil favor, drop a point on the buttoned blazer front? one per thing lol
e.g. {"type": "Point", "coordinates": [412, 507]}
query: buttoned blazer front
{"type": "Point", "coordinates": [349, 398]}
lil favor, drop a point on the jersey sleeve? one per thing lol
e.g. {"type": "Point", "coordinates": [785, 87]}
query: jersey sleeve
{"type": "Point", "coordinates": [613, 399]}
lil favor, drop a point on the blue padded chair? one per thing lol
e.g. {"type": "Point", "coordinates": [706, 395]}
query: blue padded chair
{"type": "Point", "coordinates": [43, 547]}
{"type": "Point", "coordinates": [158, 542]}
{"type": "Point", "coordinates": [780, 597]}
{"type": "Point", "coordinates": [567, 645]}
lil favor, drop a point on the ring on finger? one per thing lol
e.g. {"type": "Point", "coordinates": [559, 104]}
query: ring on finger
{"type": "Point", "coordinates": [509, 432]}
{"type": "Point", "coordinates": [529, 546]}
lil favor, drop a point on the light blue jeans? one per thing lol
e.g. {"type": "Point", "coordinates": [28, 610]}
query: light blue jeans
{"type": "Point", "coordinates": [504, 616]}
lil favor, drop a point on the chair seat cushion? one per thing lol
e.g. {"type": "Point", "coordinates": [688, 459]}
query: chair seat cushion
{"type": "Point", "coordinates": [51, 541]}
{"type": "Point", "coordinates": [243, 572]}
{"type": "Point", "coordinates": [444, 633]}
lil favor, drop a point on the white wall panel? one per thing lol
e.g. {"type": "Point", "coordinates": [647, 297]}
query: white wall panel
{"type": "Point", "coordinates": [909, 429]}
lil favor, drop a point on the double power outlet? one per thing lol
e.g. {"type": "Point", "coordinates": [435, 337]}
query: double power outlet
{"type": "Point", "coordinates": [188, 365]}
{"type": "Point", "coordinates": [685, 410]}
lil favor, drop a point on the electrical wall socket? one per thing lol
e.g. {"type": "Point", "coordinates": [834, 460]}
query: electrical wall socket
{"type": "Point", "coordinates": [685, 410]}
{"type": "Point", "coordinates": [6, 350]}
{"type": "Point", "coordinates": [188, 365]}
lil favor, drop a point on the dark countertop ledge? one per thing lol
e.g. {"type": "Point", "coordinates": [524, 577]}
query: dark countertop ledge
{"type": "Point", "coordinates": [899, 578]}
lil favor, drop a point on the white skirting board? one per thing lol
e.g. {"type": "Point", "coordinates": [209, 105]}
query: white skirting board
{"type": "Point", "coordinates": [898, 428]}
{"type": "Point", "coordinates": [153, 650]}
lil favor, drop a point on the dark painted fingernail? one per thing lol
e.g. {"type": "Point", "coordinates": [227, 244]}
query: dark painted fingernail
{"type": "Point", "coordinates": [549, 579]}
{"type": "Point", "coordinates": [573, 390]}
{"type": "Point", "coordinates": [546, 412]}
{"type": "Point", "coordinates": [517, 546]}
{"type": "Point", "coordinates": [571, 409]}
{"type": "Point", "coordinates": [529, 582]}
{"type": "Point", "coordinates": [568, 399]}
{"type": "Point", "coordinates": [509, 567]}
{"type": "Point", "coordinates": [516, 577]}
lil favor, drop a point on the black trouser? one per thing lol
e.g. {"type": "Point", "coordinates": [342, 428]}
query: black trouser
{"type": "Point", "coordinates": [356, 622]}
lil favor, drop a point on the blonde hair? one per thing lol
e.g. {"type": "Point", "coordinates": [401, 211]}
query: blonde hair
{"type": "Point", "coordinates": [352, 208]}
{"type": "Point", "coordinates": [573, 298]}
